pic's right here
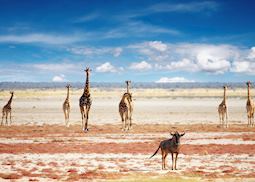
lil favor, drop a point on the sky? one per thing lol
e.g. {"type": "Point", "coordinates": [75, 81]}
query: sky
{"type": "Point", "coordinates": [142, 41]}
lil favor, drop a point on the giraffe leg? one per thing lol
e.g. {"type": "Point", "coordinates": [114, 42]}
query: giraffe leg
{"type": "Point", "coordinates": [227, 118]}
{"type": "Point", "coordinates": [131, 112]}
{"type": "Point", "coordinates": [82, 119]}
{"type": "Point", "coordinates": [87, 117]}
{"type": "Point", "coordinates": [126, 122]}
{"type": "Point", "coordinates": [3, 115]}
{"type": "Point", "coordinates": [10, 118]}
{"type": "Point", "coordinates": [65, 117]}
{"type": "Point", "coordinates": [68, 123]}
{"type": "Point", "coordinates": [86, 122]}
{"type": "Point", "coordinates": [2, 118]}
{"type": "Point", "coordinates": [220, 119]}
{"type": "Point", "coordinates": [223, 122]}
{"type": "Point", "coordinates": [6, 121]}
{"type": "Point", "coordinates": [122, 119]}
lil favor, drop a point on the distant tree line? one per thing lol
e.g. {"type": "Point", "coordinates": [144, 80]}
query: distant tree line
{"type": "Point", "coordinates": [108, 85]}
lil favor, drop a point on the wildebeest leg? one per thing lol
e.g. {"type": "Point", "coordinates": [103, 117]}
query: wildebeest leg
{"type": "Point", "coordinates": [172, 161]}
{"type": "Point", "coordinates": [175, 161]}
{"type": "Point", "coordinates": [165, 160]}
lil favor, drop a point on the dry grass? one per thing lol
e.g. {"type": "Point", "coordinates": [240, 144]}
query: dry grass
{"type": "Point", "coordinates": [195, 92]}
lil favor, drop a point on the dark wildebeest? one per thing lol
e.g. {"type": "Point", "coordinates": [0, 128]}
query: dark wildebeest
{"type": "Point", "coordinates": [172, 146]}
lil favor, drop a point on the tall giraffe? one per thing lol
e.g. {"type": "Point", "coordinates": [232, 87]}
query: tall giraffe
{"type": "Point", "coordinates": [223, 110]}
{"type": "Point", "coordinates": [124, 110]}
{"type": "Point", "coordinates": [131, 104]}
{"type": "Point", "coordinates": [250, 106]}
{"type": "Point", "coordinates": [7, 110]}
{"type": "Point", "coordinates": [85, 102]}
{"type": "Point", "coordinates": [66, 106]}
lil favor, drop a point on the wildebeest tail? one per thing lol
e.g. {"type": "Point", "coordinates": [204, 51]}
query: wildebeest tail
{"type": "Point", "coordinates": [155, 152]}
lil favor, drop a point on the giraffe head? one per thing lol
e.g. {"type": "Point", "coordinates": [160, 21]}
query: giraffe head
{"type": "Point", "coordinates": [68, 86]}
{"type": "Point", "coordinates": [87, 70]}
{"type": "Point", "coordinates": [11, 92]}
{"type": "Point", "coordinates": [225, 87]}
{"type": "Point", "coordinates": [248, 83]}
{"type": "Point", "coordinates": [128, 82]}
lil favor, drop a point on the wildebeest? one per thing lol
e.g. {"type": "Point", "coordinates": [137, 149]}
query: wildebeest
{"type": "Point", "coordinates": [172, 146]}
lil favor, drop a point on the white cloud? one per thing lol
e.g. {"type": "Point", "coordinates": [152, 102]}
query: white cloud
{"type": "Point", "coordinates": [117, 51]}
{"type": "Point", "coordinates": [58, 78]}
{"type": "Point", "coordinates": [143, 65]}
{"type": "Point", "coordinates": [210, 62]}
{"type": "Point", "coordinates": [246, 67]}
{"type": "Point", "coordinates": [106, 67]}
{"type": "Point", "coordinates": [184, 64]}
{"type": "Point", "coordinates": [40, 38]}
{"type": "Point", "coordinates": [190, 57]}
{"type": "Point", "coordinates": [87, 17]}
{"type": "Point", "coordinates": [56, 67]}
{"type": "Point", "coordinates": [251, 53]}
{"type": "Point", "coordinates": [154, 50]}
{"type": "Point", "coordinates": [91, 51]}
{"type": "Point", "coordinates": [173, 80]}
{"type": "Point", "coordinates": [158, 45]}
{"type": "Point", "coordinates": [185, 7]}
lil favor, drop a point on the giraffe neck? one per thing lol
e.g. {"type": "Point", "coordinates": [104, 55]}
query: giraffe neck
{"type": "Point", "coordinates": [67, 96]}
{"type": "Point", "coordinates": [10, 100]}
{"type": "Point", "coordinates": [124, 98]}
{"type": "Point", "coordinates": [127, 87]}
{"type": "Point", "coordinates": [249, 96]}
{"type": "Point", "coordinates": [224, 96]}
{"type": "Point", "coordinates": [87, 86]}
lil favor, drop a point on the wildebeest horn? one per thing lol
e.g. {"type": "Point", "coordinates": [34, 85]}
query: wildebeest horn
{"type": "Point", "coordinates": [171, 133]}
{"type": "Point", "coordinates": [183, 133]}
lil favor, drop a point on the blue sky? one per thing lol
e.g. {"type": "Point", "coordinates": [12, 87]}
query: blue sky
{"type": "Point", "coordinates": [143, 41]}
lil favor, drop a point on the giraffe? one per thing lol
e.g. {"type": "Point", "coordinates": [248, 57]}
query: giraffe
{"type": "Point", "coordinates": [223, 110]}
{"type": "Point", "coordinates": [85, 102]}
{"type": "Point", "coordinates": [131, 105]}
{"type": "Point", "coordinates": [250, 106]}
{"type": "Point", "coordinates": [7, 110]}
{"type": "Point", "coordinates": [124, 110]}
{"type": "Point", "coordinates": [66, 106]}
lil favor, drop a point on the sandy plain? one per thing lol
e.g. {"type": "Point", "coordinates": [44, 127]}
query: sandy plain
{"type": "Point", "coordinates": [38, 147]}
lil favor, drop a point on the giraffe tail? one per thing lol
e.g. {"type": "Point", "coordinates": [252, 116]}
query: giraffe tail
{"type": "Point", "coordinates": [155, 152]}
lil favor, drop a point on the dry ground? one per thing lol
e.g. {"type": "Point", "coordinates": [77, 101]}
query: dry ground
{"type": "Point", "coordinates": [37, 147]}
{"type": "Point", "coordinates": [53, 152]}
